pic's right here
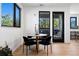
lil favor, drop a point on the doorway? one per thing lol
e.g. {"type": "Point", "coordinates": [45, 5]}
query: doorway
{"type": "Point", "coordinates": [58, 26]}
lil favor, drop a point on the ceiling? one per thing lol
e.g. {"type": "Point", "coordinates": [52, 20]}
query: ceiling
{"type": "Point", "coordinates": [47, 4]}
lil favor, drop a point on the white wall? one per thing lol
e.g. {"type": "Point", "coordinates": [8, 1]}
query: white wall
{"type": "Point", "coordinates": [74, 8]}
{"type": "Point", "coordinates": [32, 17]}
{"type": "Point", "coordinates": [12, 35]}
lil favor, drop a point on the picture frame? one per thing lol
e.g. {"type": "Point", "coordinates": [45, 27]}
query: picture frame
{"type": "Point", "coordinates": [73, 22]}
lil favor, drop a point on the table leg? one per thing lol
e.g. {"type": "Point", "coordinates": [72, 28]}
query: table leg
{"type": "Point", "coordinates": [37, 44]}
{"type": "Point", "coordinates": [23, 47]}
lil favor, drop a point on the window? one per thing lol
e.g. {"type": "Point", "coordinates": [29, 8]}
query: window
{"type": "Point", "coordinates": [73, 22]}
{"type": "Point", "coordinates": [17, 13]}
{"type": "Point", "coordinates": [7, 14]}
{"type": "Point", "coordinates": [10, 15]}
{"type": "Point", "coordinates": [44, 22]}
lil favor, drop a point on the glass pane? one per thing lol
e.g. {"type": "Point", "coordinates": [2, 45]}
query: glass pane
{"type": "Point", "coordinates": [57, 26]}
{"type": "Point", "coordinates": [44, 22]}
{"type": "Point", "coordinates": [17, 17]}
{"type": "Point", "coordinates": [7, 14]}
{"type": "Point", "coordinates": [73, 22]}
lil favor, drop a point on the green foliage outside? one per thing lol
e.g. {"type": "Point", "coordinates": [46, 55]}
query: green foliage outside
{"type": "Point", "coordinates": [56, 23]}
{"type": "Point", "coordinates": [44, 23]}
{"type": "Point", "coordinates": [7, 20]}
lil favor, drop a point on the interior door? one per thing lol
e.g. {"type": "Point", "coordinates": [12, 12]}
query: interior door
{"type": "Point", "coordinates": [58, 26]}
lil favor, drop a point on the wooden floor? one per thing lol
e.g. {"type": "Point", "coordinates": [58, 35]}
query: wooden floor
{"type": "Point", "coordinates": [58, 49]}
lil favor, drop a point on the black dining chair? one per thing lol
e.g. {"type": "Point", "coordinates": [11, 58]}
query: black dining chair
{"type": "Point", "coordinates": [77, 35]}
{"type": "Point", "coordinates": [46, 41]}
{"type": "Point", "coordinates": [27, 42]}
{"type": "Point", "coordinates": [32, 39]}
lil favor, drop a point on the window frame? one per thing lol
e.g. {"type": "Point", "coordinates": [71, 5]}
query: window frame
{"type": "Point", "coordinates": [49, 21]}
{"type": "Point", "coordinates": [14, 16]}
{"type": "Point", "coordinates": [75, 23]}
{"type": "Point", "coordinates": [16, 6]}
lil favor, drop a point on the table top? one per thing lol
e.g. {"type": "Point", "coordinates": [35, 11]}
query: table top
{"type": "Point", "coordinates": [34, 37]}
{"type": "Point", "coordinates": [41, 35]}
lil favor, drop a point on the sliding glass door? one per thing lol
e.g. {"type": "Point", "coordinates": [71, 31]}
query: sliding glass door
{"type": "Point", "coordinates": [44, 22]}
{"type": "Point", "coordinates": [58, 26]}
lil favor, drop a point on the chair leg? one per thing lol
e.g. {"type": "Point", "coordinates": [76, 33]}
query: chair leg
{"type": "Point", "coordinates": [51, 47]}
{"type": "Point", "coordinates": [47, 50]}
{"type": "Point", "coordinates": [23, 48]}
{"type": "Point", "coordinates": [29, 47]}
{"type": "Point", "coordinates": [27, 51]}
{"type": "Point", "coordinates": [44, 47]}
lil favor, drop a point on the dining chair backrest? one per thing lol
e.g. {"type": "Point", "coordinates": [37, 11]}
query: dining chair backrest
{"type": "Point", "coordinates": [29, 36]}
{"type": "Point", "coordinates": [73, 33]}
{"type": "Point", "coordinates": [48, 38]}
{"type": "Point", "coordinates": [77, 32]}
{"type": "Point", "coordinates": [25, 39]}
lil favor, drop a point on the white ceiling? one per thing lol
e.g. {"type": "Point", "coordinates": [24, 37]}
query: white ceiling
{"type": "Point", "coordinates": [43, 4]}
{"type": "Point", "coordinates": [47, 4]}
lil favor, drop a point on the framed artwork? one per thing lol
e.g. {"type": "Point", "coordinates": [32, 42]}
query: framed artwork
{"type": "Point", "coordinates": [73, 22]}
{"type": "Point", "coordinates": [10, 14]}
